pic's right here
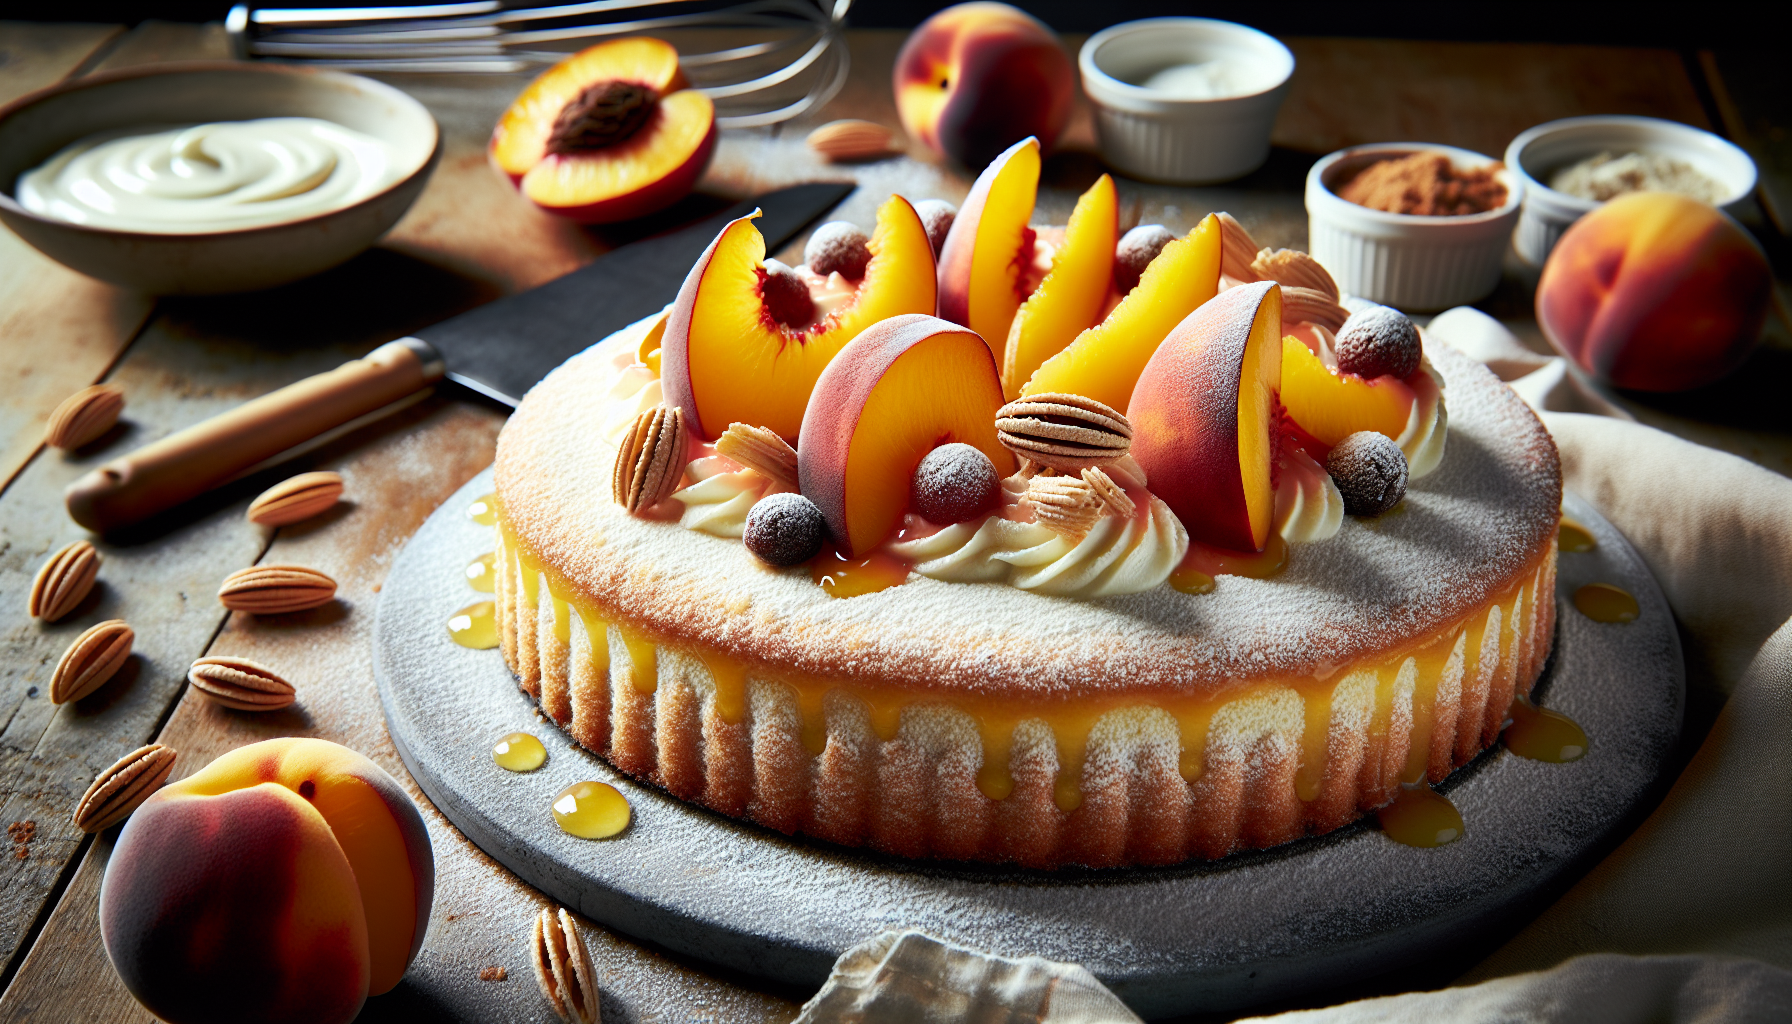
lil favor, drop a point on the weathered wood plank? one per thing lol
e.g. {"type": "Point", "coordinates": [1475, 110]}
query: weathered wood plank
{"type": "Point", "coordinates": [1475, 95]}
{"type": "Point", "coordinates": [63, 329]}
{"type": "Point", "coordinates": [37, 54]}
{"type": "Point", "coordinates": [1754, 98]}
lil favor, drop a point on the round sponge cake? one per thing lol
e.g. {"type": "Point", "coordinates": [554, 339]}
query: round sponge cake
{"type": "Point", "coordinates": [981, 721]}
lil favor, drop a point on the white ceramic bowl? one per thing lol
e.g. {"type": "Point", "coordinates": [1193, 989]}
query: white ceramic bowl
{"type": "Point", "coordinates": [1157, 136]}
{"type": "Point", "coordinates": [1537, 153]}
{"type": "Point", "coordinates": [36, 126]}
{"type": "Point", "coordinates": [1400, 259]}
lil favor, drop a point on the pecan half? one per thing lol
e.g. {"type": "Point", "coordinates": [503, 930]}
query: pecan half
{"type": "Point", "coordinates": [1312, 306]}
{"type": "Point", "coordinates": [1065, 504]}
{"type": "Point", "coordinates": [563, 967]}
{"type": "Point", "coordinates": [1066, 432]}
{"type": "Point", "coordinates": [296, 498]}
{"type": "Point", "coordinates": [276, 589]}
{"type": "Point", "coordinates": [241, 684]}
{"type": "Point", "coordinates": [650, 459]}
{"type": "Point", "coordinates": [1112, 497]}
{"type": "Point", "coordinates": [1294, 269]}
{"type": "Point", "coordinates": [1237, 250]}
{"type": "Point", "coordinates": [84, 416]}
{"type": "Point", "coordinates": [118, 790]}
{"type": "Point", "coordinates": [64, 581]}
{"type": "Point", "coordinates": [91, 660]}
{"type": "Point", "coordinates": [760, 450]}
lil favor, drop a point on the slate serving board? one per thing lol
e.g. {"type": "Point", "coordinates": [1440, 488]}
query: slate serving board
{"type": "Point", "coordinates": [1309, 916]}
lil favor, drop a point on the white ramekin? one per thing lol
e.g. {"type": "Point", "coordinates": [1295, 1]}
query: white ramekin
{"type": "Point", "coordinates": [1537, 153]}
{"type": "Point", "coordinates": [1144, 133]}
{"type": "Point", "coordinates": [1401, 259]}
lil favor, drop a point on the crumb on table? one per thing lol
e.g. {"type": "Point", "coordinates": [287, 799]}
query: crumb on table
{"type": "Point", "coordinates": [493, 974]}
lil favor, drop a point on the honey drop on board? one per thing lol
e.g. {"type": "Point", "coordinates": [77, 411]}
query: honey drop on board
{"type": "Point", "coordinates": [1603, 602]}
{"type": "Point", "coordinates": [591, 810]}
{"type": "Point", "coordinates": [475, 626]}
{"type": "Point", "coordinates": [484, 511]}
{"type": "Point", "coordinates": [1203, 562]}
{"type": "Point", "coordinates": [1544, 735]}
{"type": "Point", "coordinates": [1421, 817]}
{"type": "Point", "coordinates": [519, 752]}
{"type": "Point", "coordinates": [838, 576]}
{"type": "Point", "coordinates": [1190, 580]}
{"type": "Point", "coordinates": [1572, 538]}
{"type": "Point", "coordinates": [482, 573]}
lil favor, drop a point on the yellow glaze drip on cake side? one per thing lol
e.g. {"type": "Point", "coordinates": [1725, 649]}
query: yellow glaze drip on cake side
{"type": "Point", "coordinates": [1397, 695]}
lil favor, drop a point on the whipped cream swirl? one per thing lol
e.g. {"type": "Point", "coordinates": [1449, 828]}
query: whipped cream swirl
{"type": "Point", "coordinates": [1426, 425]}
{"type": "Point", "coordinates": [1308, 505]}
{"type": "Point", "coordinates": [718, 502]}
{"type": "Point", "coordinates": [1116, 556]}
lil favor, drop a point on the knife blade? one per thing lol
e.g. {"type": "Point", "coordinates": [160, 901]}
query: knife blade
{"type": "Point", "coordinates": [498, 350]}
{"type": "Point", "coordinates": [503, 348]}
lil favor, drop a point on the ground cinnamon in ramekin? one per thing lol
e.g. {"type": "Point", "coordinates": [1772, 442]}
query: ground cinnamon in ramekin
{"type": "Point", "coordinates": [1426, 184]}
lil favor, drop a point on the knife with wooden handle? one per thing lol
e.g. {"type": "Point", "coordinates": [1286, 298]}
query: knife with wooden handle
{"type": "Point", "coordinates": [498, 350]}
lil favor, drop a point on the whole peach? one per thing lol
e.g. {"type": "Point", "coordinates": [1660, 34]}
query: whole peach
{"type": "Point", "coordinates": [976, 78]}
{"type": "Point", "coordinates": [1655, 292]}
{"type": "Point", "coordinates": [286, 881]}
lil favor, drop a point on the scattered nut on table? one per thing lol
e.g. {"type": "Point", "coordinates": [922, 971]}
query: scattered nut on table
{"type": "Point", "coordinates": [276, 589]}
{"type": "Point", "coordinates": [84, 416]}
{"type": "Point", "coordinates": [64, 581]}
{"type": "Point", "coordinates": [241, 684]}
{"type": "Point", "coordinates": [563, 967]}
{"type": "Point", "coordinates": [853, 139]}
{"type": "Point", "coordinates": [118, 790]}
{"type": "Point", "coordinates": [296, 498]}
{"type": "Point", "coordinates": [93, 658]}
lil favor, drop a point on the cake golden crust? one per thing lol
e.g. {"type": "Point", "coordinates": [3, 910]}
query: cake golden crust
{"type": "Point", "coordinates": [977, 721]}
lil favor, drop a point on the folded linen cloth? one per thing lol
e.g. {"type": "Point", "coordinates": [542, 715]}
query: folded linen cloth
{"type": "Point", "coordinates": [1690, 919]}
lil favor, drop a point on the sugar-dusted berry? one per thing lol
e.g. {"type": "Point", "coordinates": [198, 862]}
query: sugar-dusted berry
{"type": "Point", "coordinates": [1135, 252]}
{"type": "Point", "coordinates": [1370, 471]}
{"type": "Point", "coordinates": [1379, 341]}
{"type": "Point", "coordinates": [838, 247]}
{"type": "Point", "coordinates": [953, 483]}
{"type": "Point", "coordinates": [936, 216]}
{"type": "Point", "coordinates": [786, 296]}
{"type": "Point", "coordinates": [785, 529]}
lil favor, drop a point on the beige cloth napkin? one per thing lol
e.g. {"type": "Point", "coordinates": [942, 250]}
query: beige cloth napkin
{"type": "Point", "coordinates": [1690, 919]}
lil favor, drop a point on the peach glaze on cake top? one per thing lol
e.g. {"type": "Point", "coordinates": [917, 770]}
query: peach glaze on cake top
{"type": "Point", "coordinates": [984, 721]}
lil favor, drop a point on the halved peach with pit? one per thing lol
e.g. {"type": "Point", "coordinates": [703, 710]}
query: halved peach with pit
{"type": "Point", "coordinates": [1070, 297]}
{"type": "Point", "coordinates": [1105, 361]}
{"type": "Point", "coordinates": [1331, 405]}
{"type": "Point", "coordinates": [896, 392]}
{"type": "Point", "coordinates": [608, 134]}
{"type": "Point", "coordinates": [726, 358]}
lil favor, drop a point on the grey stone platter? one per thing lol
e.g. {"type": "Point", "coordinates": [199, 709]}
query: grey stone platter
{"type": "Point", "coordinates": [1205, 937]}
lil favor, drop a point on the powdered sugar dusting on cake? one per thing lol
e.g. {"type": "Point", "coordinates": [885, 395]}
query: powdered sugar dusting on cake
{"type": "Point", "coordinates": [1462, 535]}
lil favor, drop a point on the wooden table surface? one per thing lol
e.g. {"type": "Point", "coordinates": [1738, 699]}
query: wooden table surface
{"type": "Point", "coordinates": [469, 239]}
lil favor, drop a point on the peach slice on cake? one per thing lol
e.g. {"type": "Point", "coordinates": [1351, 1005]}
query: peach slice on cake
{"type": "Point", "coordinates": [1070, 297]}
{"type": "Point", "coordinates": [1330, 405]}
{"type": "Point", "coordinates": [983, 263]}
{"type": "Point", "coordinates": [608, 134]}
{"type": "Point", "coordinates": [725, 357]}
{"type": "Point", "coordinates": [1104, 362]}
{"type": "Point", "coordinates": [896, 392]}
{"type": "Point", "coordinates": [1206, 427]}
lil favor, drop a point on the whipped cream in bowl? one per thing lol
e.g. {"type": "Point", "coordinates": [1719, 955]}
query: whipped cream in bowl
{"type": "Point", "coordinates": [208, 178]}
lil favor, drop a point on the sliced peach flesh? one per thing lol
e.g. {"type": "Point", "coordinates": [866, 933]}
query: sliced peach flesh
{"type": "Point", "coordinates": [726, 360]}
{"type": "Point", "coordinates": [897, 393]}
{"type": "Point", "coordinates": [1104, 362]}
{"type": "Point", "coordinates": [679, 127]}
{"type": "Point", "coordinates": [1068, 301]}
{"type": "Point", "coordinates": [1331, 405]}
{"type": "Point", "coordinates": [981, 264]}
{"type": "Point", "coordinates": [1257, 417]}
{"type": "Point", "coordinates": [521, 137]}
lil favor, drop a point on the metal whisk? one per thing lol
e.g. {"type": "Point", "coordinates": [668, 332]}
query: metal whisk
{"type": "Point", "coordinates": [799, 65]}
